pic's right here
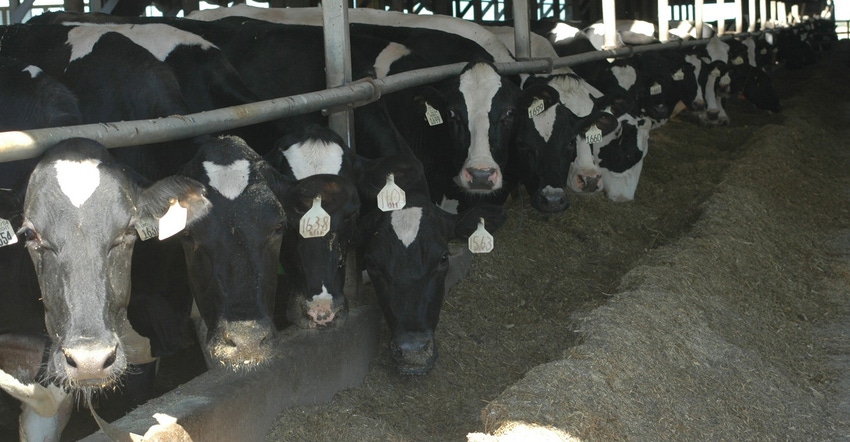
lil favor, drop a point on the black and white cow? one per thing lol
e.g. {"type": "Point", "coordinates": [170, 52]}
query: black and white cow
{"type": "Point", "coordinates": [80, 217]}
{"type": "Point", "coordinates": [748, 80]}
{"type": "Point", "coordinates": [314, 267]}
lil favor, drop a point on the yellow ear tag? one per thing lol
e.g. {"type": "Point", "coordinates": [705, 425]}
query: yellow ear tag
{"type": "Point", "coordinates": [537, 107]}
{"type": "Point", "coordinates": [679, 75]}
{"type": "Point", "coordinates": [316, 222]}
{"type": "Point", "coordinates": [655, 89]}
{"type": "Point", "coordinates": [173, 221]}
{"type": "Point", "coordinates": [146, 229]}
{"type": "Point", "coordinates": [7, 234]}
{"type": "Point", "coordinates": [737, 61]}
{"type": "Point", "coordinates": [391, 197]}
{"type": "Point", "coordinates": [432, 115]}
{"type": "Point", "coordinates": [481, 241]}
{"type": "Point", "coordinates": [593, 135]}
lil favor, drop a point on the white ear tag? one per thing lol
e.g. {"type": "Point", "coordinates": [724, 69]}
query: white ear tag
{"type": "Point", "coordinates": [7, 234]}
{"type": "Point", "coordinates": [146, 229]}
{"type": "Point", "coordinates": [481, 241]}
{"type": "Point", "coordinates": [432, 115]}
{"type": "Point", "coordinates": [679, 75]}
{"type": "Point", "coordinates": [737, 61]}
{"type": "Point", "coordinates": [763, 51]}
{"type": "Point", "coordinates": [715, 73]}
{"type": "Point", "coordinates": [173, 221]}
{"type": "Point", "coordinates": [655, 89]}
{"type": "Point", "coordinates": [391, 197]}
{"type": "Point", "coordinates": [537, 107]}
{"type": "Point", "coordinates": [316, 222]}
{"type": "Point", "coordinates": [593, 135]}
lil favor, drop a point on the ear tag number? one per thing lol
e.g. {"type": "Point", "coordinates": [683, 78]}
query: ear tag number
{"type": "Point", "coordinates": [537, 107]}
{"type": "Point", "coordinates": [173, 221]}
{"type": "Point", "coordinates": [593, 135]}
{"type": "Point", "coordinates": [7, 234]}
{"type": "Point", "coordinates": [481, 241]}
{"type": "Point", "coordinates": [146, 229]}
{"type": "Point", "coordinates": [391, 197]}
{"type": "Point", "coordinates": [678, 75]}
{"type": "Point", "coordinates": [737, 61]}
{"type": "Point", "coordinates": [655, 89]}
{"type": "Point", "coordinates": [432, 115]}
{"type": "Point", "coordinates": [316, 222]}
{"type": "Point", "coordinates": [715, 73]}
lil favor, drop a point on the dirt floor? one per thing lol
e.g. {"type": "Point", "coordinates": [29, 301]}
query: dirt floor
{"type": "Point", "coordinates": [714, 307]}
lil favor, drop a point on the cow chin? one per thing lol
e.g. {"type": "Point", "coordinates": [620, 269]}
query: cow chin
{"type": "Point", "coordinates": [320, 312]}
{"type": "Point", "coordinates": [414, 352]}
{"type": "Point", "coordinates": [241, 345]}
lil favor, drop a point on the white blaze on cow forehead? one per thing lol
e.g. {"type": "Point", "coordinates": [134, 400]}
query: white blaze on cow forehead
{"type": "Point", "coordinates": [544, 122]}
{"type": "Point", "coordinates": [717, 50]}
{"type": "Point", "coordinates": [312, 157]}
{"type": "Point", "coordinates": [77, 179]}
{"type": "Point", "coordinates": [158, 39]}
{"type": "Point", "coordinates": [574, 94]}
{"type": "Point", "coordinates": [750, 43]}
{"type": "Point", "coordinates": [405, 224]}
{"type": "Point", "coordinates": [387, 57]}
{"type": "Point", "coordinates": [478, 86]}
{"type": "Point", "coordinates": [625, 75]}
{"type": "Point", "coordinates": [229, 179]}
{"type": "Point", "coordinates": [34, 71]}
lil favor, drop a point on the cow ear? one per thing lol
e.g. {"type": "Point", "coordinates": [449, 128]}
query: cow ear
{"type": "Point", "coordinates": [336, 191]}
{"type": "Point", "coordinates": [154, 201]}
{"type": "Point", "coordinates": [11, 205]}
{"type": "Point", "coordinates": [465, 224]}
{"type": "Point", "coordinates": [543, 92]}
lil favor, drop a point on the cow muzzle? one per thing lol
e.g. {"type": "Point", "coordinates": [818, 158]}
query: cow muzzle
{"type": "Point", "coordinates": [414, 352]}
{"type": "Point", "coordinates": [320, 312]}
{"type": "Point", "coordinates": [589, 183]}
{"type": "Point", "coordinates": [88, 363]}
{"type": "Point", "coordinates": [486, 179]}
{"type": "Point", "coordinates": [241, 344]}
{"type": "Point", "coordinates": [550, 200]}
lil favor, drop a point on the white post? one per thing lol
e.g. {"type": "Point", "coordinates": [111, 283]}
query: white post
{"type": "Point", "coordinates": [698, 17]}
{"type": "Point", "coordinates": [338, 61]}
{"type": "Point", "coordinates": [663, 20]}
{"type": "Point", "coordinates": [609, 23]}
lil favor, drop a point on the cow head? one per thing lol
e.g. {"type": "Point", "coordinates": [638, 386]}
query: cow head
{"type": "Point", "coordinates": [80, 217]}
{"type": "Point", "coordinates": [479, 107]}
{"type": "Point", "coordinates": [406, 255]}
{"type": "Point", "coordinates": [314, 268]}
{"type": "Point", "coordinates": [232, 255]}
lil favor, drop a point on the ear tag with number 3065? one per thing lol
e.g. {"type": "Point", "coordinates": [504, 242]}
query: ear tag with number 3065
{"type": "Point", "coordinates": [316, 222]}
{"type": "Point", "coordinates": [481, 241]}
{"type": "Point", "coordinates": [391, 197]}
{"type": "Point", "coordinates": [7, 233]}
{"type": "Point", "coordinates": [432, 115]}
{"type": "Point", "coordinates": [173, 221]}
{"type": "Point", "coordinates": [593, 135]}
{"type": "Point", "coordinates": [537, 107]}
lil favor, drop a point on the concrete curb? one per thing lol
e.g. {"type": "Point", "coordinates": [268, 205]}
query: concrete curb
{"type": "Point", "coordinates": [310, 368]}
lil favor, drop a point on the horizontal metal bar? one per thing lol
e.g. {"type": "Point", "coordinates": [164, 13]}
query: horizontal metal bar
{"type": "Point", "coordinates": [19, 145]}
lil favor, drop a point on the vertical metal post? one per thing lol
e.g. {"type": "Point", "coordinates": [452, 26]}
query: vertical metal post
{"type": "Point", "coordinates": [609, 23]}
{"type": "Point", "coordinates": [762, 14]}
{"type": "Point", "coordinates": [781, 13]}
{"type": "Point", "coordinates": [739, 16]}
{"type": "Point", "coordinates": [522, 40]}
{"type": "Point", "coordinates": [338, 61]}
{"type": "Point", "coordinates": [773, 12]}
{"type": "Point", "coordinates": [698, 17]}
{"type": "Point", "coordinates": [753, 15]}
{"type": "Point", "coordinates": [663, 21]}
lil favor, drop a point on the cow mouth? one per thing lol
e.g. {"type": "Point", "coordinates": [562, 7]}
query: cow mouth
{"type": "Point", "coordinates": [320, 312]}
{"type": "Point", "coordinates": [414, 353]}
{"type": "Point", "coordinates": [550, 200]}
{"type": "Point", "coordinates": [240, 345]}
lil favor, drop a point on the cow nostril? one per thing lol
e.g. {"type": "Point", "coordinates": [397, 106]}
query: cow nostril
{"type": "Point", "coordinates": [69, 360]}
{"type": "Point", "coordinates": [229, 342]}
{"type": "Point", "coordinates": [111, 358]}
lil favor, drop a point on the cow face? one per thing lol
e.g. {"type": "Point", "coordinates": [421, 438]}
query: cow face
{"type": "Point", "coordinates": [321, 165]}
{"type": "Point", "coordinates": [232, 254]}
{"type": "Point", "coordinates": [758, 89]}
{"type": "Point", "coordinates": [80, 217]}
{"type": "Point", "coordinates": [406, 255]}
{"type": "Point", "coordinates": [714, 80]}
{"type": "Point", "coordinates": [480, 109]}
{"type": "Point", "coordinates": [314, 268]}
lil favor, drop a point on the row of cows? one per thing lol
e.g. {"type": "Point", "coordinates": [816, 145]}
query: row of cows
{"type": "Point", "coordinates": [254, 227]}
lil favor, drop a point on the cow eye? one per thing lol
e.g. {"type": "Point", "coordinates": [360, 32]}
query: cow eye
{"type": "Point", "coordinates": [29, 234]}
{"type": "Point", "coordinates": [444, 260]}
{"type": "Point", "coordinates": [453, 114]}
{"type": "Point", "coordinates": [508, 117]}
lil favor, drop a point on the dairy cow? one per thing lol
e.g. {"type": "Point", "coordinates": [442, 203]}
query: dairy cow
{"type": "Point", "coordinates": [314, 267]}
